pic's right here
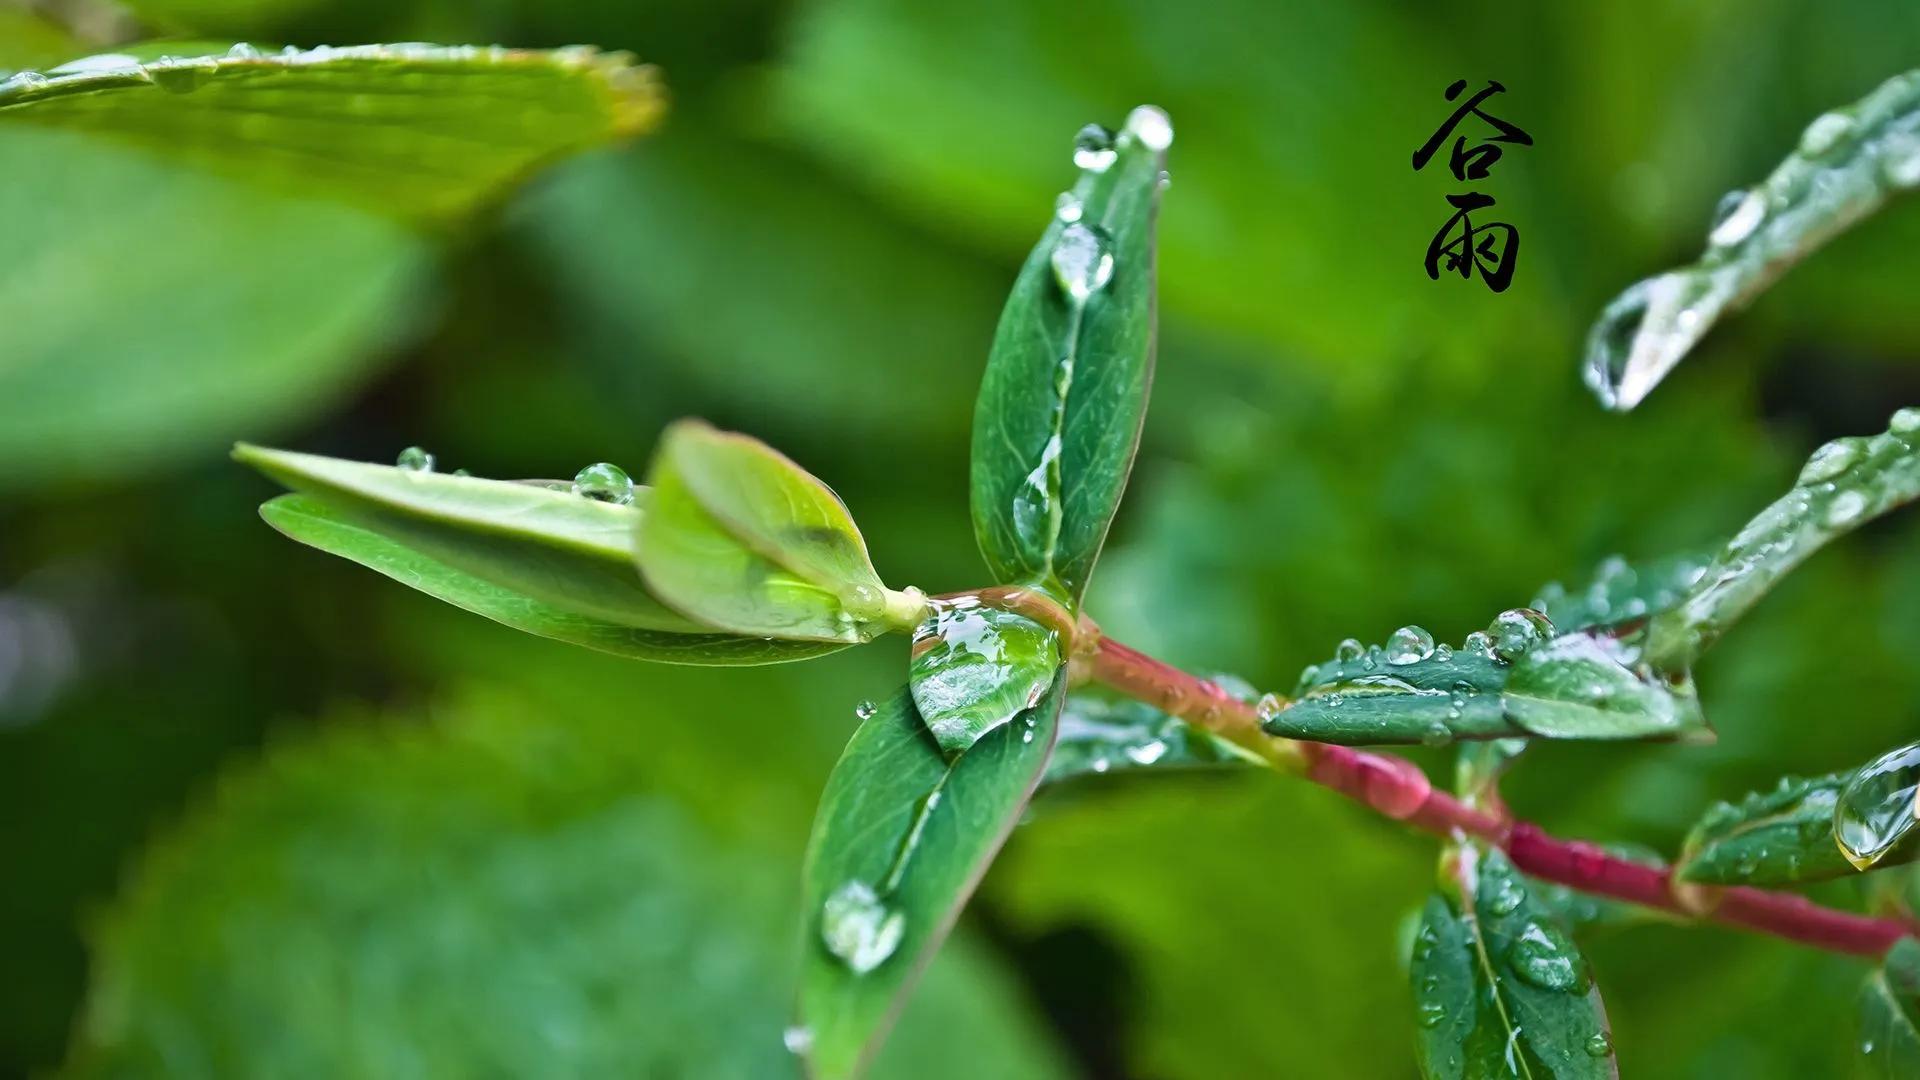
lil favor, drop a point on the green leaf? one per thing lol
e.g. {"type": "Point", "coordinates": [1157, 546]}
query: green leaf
{"type": "Point", "coordinates": [1845, 484]}
{"type": "Point", "coordinates": [975, 668]}
{"type": "Point", "coordinates": [565, 550]}
{"type": "Point", "coordinates": [901, 839]}
{"type": "Point", "coordinates": [1890, 1014]}
{"type": "Point", "coordinates": [1499, 989]}
{"type": "Point", "coordinates": [1777, 837]}
{"type": "Point", "coordinates": [1065, 392]}
{"type": "Point", "coordinates": [1099, 735]}
{"type": "Point", "coordinates": [1621, 591]}
{"type": "Point", "coordinates": [323, 525]}
{"type": "Point", "coordinates": [1849, 162]}
{"type": "Point", "coordinates": [419, 130]}
{"type": "Point", "coordinates": [741, 538]}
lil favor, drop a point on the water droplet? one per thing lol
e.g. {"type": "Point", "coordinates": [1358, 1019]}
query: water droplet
{"type": "Point", "coordinates": [1599, 1045]}
{"type": "Point", "coordinates": [1739, 213]}
{"type": "Point", "coordinates": [1348, 651]}
{"type": "Point", "coordinates": [1900, 159]}
{"type": "Point", "coordinates": [1905, 422]}
{"type": "Point", "coordinates": [1829, 461]}
{"type": "Point", "coordinates": [177, 76]}
{"type": "Point", "coordinates": [1506, 895]}
{"type": "Point", "coordinates": [1093, 148]}
{"type": "Point", "coordinates": [858, 928]}
{"type": "Point", "coordinates": [1438, 734]}
{"type": "Point", "coordinates": [865, 710]}
{"type": "Point", "coordinates": [1845, 509]}
{"type": "Point", "coordinates": [798, 1039]}
{"type": "Point", "coordinates": [1082, 261]}
{"type": "Point", "coordinates": [1825, 134]}
{"type": "Point", "coordinates": [24, 80]}
{"type": "Point", "coordinates": [1430, 1014]}
{"type": "Point", "coordinates": [414, 459]}
{"type": "Point", "coordinates": [243, 51]}
{"type": "Point", "coordinates": [1877, 808]}
{"type": "Point", "coordinates": [1543, 956]}
{"type": "Point", "coordinates": [1270, 706]}
{"type": "Point", "coordinates": [1514, 631]}
{"type": "Point", "coordinates": [604, 482]}
{"type": "Point", "coordinates": [1409, 645]}
{"type": "Point", "coordinates": [1478, 643]}
{"type": "Point", "coordinates": [1151, 126]}
{"type": "Point", "coordinates": [1067, 207]}
{"type": "Point", "coordinates": [1610, 343]}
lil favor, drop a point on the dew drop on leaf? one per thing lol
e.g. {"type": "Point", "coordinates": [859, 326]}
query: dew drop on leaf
{"type": "Point", "coordinates": [1829, 461]}
{"type": "Point", "coordinates": [798, 1039]}
{"type": "Point", "coordinates": [1826, 134]}
{"type": "Point", "coordinates": [858, 928]}
{"type": "Point", "coordinates": [1067, 208]}
{"type": "Point", "coordinates": [1151, 126]}
{"type": "Point", "coordinates": [1082, 261]}
{"type": "Point", "coordinates": [1845, 509]}
{"type": "Point", "coordinates": [1349, 650]}
{"type": "Point", "coordinates": [1905, 422]}
{"type": "Point", "coordinates": [414, 459]}
{"type": "Point", "coordinates": [1599, 1045]}
{"type": "Point", "coordinates": [1409, 645]}
{"type": "Point", "coordinates": [1877, 808]}
{"type": "Point", "coordinates": [1270, 706]}
{"type": "Point", "coordinates": [1093, 148]}
{"type": "Point", "coordinates": [1430, 1014]}
{"type": "Point", "coordinates": [1514, 631]}
{"type": "Point", "coordinates": [1543, 956]}
{"type": "Point", "coordinates": [1739, 213]}
{"type": "Point", "coordinates": [865, 710]}
{"type": "Point", "coordinates": [604, 482]}
{"type": "Point", "coordinates": [1506, 895]}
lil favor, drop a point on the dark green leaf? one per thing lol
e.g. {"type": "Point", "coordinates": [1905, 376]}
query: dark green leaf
{"type": "Point", "coordinates": [1592, 686]}
{"type": "Point", "coordinates": [741, 538]}
{"type": "Point", "coordinates": [1848, 163]}
{"type": "Point", "coordinates": [1499, 989]}
{"type": "Point", "coordinates": [901, 839]}
{"type": "Point", "coordinates": [1065, 392]}
{"type": "Point", "coordinates": [1621, 592]}
{"type": "Point", "coordinates": [1100, 735]}
{"type": "Point", "coordinates": [1890, 1014]}
{"type": "Point", "coordinates": [420, 130]}
{"type": "Point", "coordinates": [1770, 838]}
{"type": "Point", "coordinates": [975, 668]}
{"type": "Point", "coordinates": [1845, 484]}
{"type": "Point", "coordinates": [320, 524]}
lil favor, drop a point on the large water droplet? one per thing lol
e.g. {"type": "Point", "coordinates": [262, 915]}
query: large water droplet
{"type": "Point", "coordinates": [1348, 651]}
{"type": "Point", "coordinates": [1610, 343]}
{"type": "Point", "coordinates": [1845, 509]}
{"type": "Point", "coordinates": [1409, 645]}
{"type": "Point", "coordinates": [604, 482]}
{"type": "Point", "coordinates": [1093, 148]}
{"type": "Point", "coordinates": [1082, 261]}
{"type": "Point", "coordinates": [858, 928]}
{"type": "Point", "coordinates": [1739, 213]}
{"type": "Point", "coordinates": [1151, 126]}
{"type": "Point", "coordinates": [1826, 134]}
{"type": "Point", "coordinates": [1543, 956]}
{"type": "Point", "coordinates": [1829, 461]}
{"type": "Point", "coordinates": [415, 459]}
{"type": "Point", "coordinates": [1514, 631]}
{"type": "Point", "coordinates": [1876, 809]}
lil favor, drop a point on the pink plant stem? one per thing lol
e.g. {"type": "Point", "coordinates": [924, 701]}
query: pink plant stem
{"type": "Point", "coordinates": [1399, 789]}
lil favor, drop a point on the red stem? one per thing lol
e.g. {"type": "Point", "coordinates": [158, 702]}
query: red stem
{"type": "Point", "coordinates": [1398, 788]}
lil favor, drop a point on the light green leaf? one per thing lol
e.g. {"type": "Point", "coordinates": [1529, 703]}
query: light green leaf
{"type": "Point", "coordinates": [1890, 1014]}
{"type": "Point", "coordinates": [741, 538]}
{"type": "Point", "coordinates": [1774, 837]}
{"type": "Point", "coordinates": [1845, 484]}
{"type": "Point", "coordinates": [1499, 989]}
{"type": "Point", "coordinates": [418, 130]}
{"type": "Point", "coordinates": [321, 524]}
{"type": "Point", "coordinates": [975, 668]}
{"type": "Point", "coordinates": [1065, 392]}
{"type": "Point", "coordinates": [901, 839]}
{"type": "Point", "coordinates": [1849, 162]}
{"type": "Point", "coordinates": [1100, 735]}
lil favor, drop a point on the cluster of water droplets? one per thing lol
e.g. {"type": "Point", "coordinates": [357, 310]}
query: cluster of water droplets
{"type": "Point", "coordinates": [1082, 256]}
{"type": "Point", "coordinates": [1878, 808]}
{"type": "Point", "coordinates": [601, 481]}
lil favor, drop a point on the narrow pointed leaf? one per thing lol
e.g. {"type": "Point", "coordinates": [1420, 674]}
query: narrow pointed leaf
{"type": "Point", "coordinates": [1777, 837]}
{"type": "Point", "coordinates": [901, 838]}
{"type": "Point", "coordinates": [1499, 989]}
{"type": "Point", "coordinates": [1065, 392]}
{"type": "Point", "coordinates": [416, 130]}
{"type": "Point", "coordinates": [739, 537]}
{"type": "Point", "coordinates": [1845, 484]}
{"type": "Point", "coordinates": [1890, 1014]}
{"type": "Point", "coordinates": [321, 524]}
{"type": "Point", "coordinates": [1099, 735]}
{"type": "Point", "coordinates": [975, 668]}
{"type": "Point", "coordinates": [569, 552]}
{"type": "Point", "coordinates": [1847, 165]}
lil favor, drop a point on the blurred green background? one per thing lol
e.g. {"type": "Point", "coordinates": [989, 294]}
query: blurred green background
{"type": "Point", "coordinates": [263, 813]}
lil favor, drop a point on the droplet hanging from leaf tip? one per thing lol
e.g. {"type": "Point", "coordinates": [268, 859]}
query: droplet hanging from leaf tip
{"type": "Point", "coordinates": [1151, 125]}
{"type": "Point", "coordinates": [414, 459]}
{"type": "Point", "coordinates": [1877, 809]}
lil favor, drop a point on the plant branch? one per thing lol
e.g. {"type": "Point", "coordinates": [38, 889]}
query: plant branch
{"type": "Point", "coordinates": [1398, 788]}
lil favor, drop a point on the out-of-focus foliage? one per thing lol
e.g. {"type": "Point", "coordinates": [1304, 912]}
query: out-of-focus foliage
{"type": "Point", "coordinates": [814, 250]}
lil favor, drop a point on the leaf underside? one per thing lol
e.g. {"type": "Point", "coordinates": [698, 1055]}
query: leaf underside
{"type": "Point", "coordinates": [1890, 1014]}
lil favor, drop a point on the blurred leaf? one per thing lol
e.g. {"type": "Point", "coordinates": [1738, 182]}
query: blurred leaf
{"type": "Point", "coordinates": [1065, 391]}
{"type": "Point", "coordinates": [1621, 591]}
{"type": "Point", "coordinates": [975, 668]}
{"type": "Point", "coordinates": [739, 537]}
{"type": "Point", "coordinates": [418, 130]}
{"type": "Point", "coordinates": [1499, 989]}
{"type": "Point", "coordinates": [1769, 838]}
{"type": "Point", "coordinates": [474, 897]}
{"type": "Point", "coordinates": [320, 524]}
{"type": "Point", "coordinates": [901, 839]}
{"type": "Point", "coordinates": [1890, 1014]}
{"type": "Point", "coordinates": [556, 547]}
{"type": "Point", "coordinates": [1849, 161]}
{"type": "Point", "coordinates": [1100, 735]}
{"type": "Point", "coordinates": [1845, 484]}
{"type": "Point", "coordinates": [28, 39]}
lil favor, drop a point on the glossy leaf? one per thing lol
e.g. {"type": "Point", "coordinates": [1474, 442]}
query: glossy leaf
{"type": "Point", "coordinates": [975, 668]}
{"type": "Point", "coordinates": [1621, 591]}
{"type": "Point", "coordinates": [419, 130]}
{"type": "Point", "coordinates": [739, 537]}
{"type": "Point", "coordinates": [1065, 392]}
{"type": "Point", "coordinates": [1845, 484]}
{"type": "Point", "coordinates": [1848, 163]}
{"type": "Point", "coordinates": [901, 838]}
{"type": "Point", "coordinates": [1499, 989]}
{"type": "Point", "coordinates": [1890, 1014]}
{"type": "Point", "coordinates": [1773, 837]}
{"type": "Point", "coordinates": [319, 523]}
{"type": "Point", "coordinates": [1100, 735]}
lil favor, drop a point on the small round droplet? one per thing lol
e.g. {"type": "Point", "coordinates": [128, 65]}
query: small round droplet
{"type": "Point", "coordinates": [1825, 134]}
{"type": "Point", "coordinates": [1877, 808]}
{"type": "Point", "coordinates": [1151, 126]}
{"type": "Point", "coordinates": [1348, 651]}
{"type": "Point", "coordinates": [604, 482]}
{"type": "Point", "coordinates": [414, 459]}
{"type": "Point", "coordinates": [1739, 213]}
{"type": "Point", "coordinates": [1543, 956]}
{"type": "Point", "coordinates": [1067, 207]}
{"type": "Point", "coordinates": [1829, 461]}
{"type": "Point", "coordinates": [858, 928]}
{"type": "Point", "coordinates": [1514, 631]}
{"type": "Point", "coordinates": [865, 710]}
{"type": "Point", "coordinates": [798, 1039]}
{"type": "Point", "coordinates": [1905, 422]}
{"type": "Point", "coordinates": [1409, 645]}
{"type": "Point", "coordinates": [1845, 509]}
{"type": "Point", "coordinates": [1093, 148]}
{"type": "Point", "coordinates": [243, 51]}
{"type": "Point", "coordinates": [1599, 1045]}
{"type": "Point", "coordinates": [1478, 644]}
{"type": "Point", "coordinates": [1082, 261]}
